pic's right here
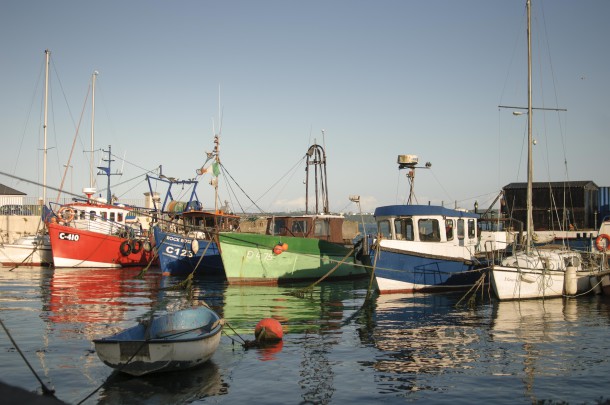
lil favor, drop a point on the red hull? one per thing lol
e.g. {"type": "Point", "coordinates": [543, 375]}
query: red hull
{"type": "Point", "coordinates": [81, 248]}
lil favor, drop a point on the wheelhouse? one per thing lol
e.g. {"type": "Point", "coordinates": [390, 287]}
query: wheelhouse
{"type": "Point", "coordinates": [323, 227]}
{"type": "Point", "coordinates": [426, 224]}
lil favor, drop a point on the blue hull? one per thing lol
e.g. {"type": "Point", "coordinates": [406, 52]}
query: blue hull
{"type": "Point", "coordinates": [409, 273]}
{"type": "Point", "coordinates": [177, 258]}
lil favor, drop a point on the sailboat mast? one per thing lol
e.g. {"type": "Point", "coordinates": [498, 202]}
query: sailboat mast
{"type": "Point", "coordinates": [93, 77]}
{"type": "Point", "coordinates": [217, 161]}
{"type": "Point", "coordinates": [44, 127]}
{"type": "Point", "coordinates": [530, 164]}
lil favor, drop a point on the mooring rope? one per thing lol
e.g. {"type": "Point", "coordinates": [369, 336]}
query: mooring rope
{"type": "Point", "coordinates": [301, 292]}
{"type": "Point", "coordinates": [45, 389]}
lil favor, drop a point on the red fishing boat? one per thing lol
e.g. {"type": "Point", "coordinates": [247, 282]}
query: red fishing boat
{"type": "Point", "coordinates": [96, 234]}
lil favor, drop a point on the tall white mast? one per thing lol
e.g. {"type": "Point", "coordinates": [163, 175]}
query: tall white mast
{"type": "Point", "coordinates": [92, 163]}
{"type": "Point", "coordinates": [530, 165]}
{"type": "Point", "coordinates": [44, 127]}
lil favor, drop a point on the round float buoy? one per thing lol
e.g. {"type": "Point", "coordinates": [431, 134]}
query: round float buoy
{"type": "Point", "coordinates": [268, 330]}
{"type": "Point", "coordinates": [284, 246]}
{"type": "Point", "coordinates": [277, 249]}
{"type": "Point", "coordinates": [195, 246]}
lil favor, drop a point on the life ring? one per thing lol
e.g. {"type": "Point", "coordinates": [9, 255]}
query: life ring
{"type": "Point", "coordinates": [65, 214]}
{"type": "Point", "coordinates": [602, 242]}
{"type": "Point", "coordinates": [125, 248]}
{"type": "Point", "coordinates": [136, 246]}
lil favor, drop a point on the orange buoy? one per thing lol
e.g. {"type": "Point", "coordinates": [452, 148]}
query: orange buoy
{"type": "Point", "coordinates": [277, 249]}
{"type": "Point", "coordinates": [284, 246]}
{"type": "Point", "coordinates": [268, 330]}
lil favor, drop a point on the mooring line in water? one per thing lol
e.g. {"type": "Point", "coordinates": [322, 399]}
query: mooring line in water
{"type": "Point", "coordinates": [246, 344]}
{"type": "Point", "coordinates": [45, 389]}
{"type": "Point", "coordinates": [155, 255]}
{"type": "Point", "coordinates": [475, 287]}
{"type": "Point", "coordinates": [301, 292]}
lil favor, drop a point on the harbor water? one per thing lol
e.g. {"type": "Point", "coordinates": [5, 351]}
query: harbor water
{"type": "Point", "coordinates": [400, 348]}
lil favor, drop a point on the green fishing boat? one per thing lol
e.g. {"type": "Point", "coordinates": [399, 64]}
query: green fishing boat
{"type": "Point", "coordinates": [294, 248]}
{"type": "Point", "coordinates": [290, 256]}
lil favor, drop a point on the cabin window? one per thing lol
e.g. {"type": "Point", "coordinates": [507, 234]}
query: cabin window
{"type": "Point", "coordinates": [449, 228]}
{"type": "Point", "coordinates": [299, 226]}
{"type": "Point", "coordinates": [112, 216]}
{"type": "Point", "coordinates": [403, 229]}
{"type": "Point", "coordinates": [82, 214]}
{"type": "Point", "coordinates": [104, 216]}
{"type": "Point", "coordinates": [279, 227]}
{"type": "Point", "coordinates": [472, 233]}
{"type": "Point", "coordinates": [384, 230]}
{"type": "Point", "coordinates": [92, 215]}
{"type": "Point", "coordinates": [321, 228]}
{"type": "Point", "coordinates": [119, 217]}
{"type": "Point", "coordinates": [429, 230]}
{"type": "Point", "coordinates": [460, 228]}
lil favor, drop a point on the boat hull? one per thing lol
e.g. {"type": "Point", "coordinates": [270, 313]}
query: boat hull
{"type": "Point", "coordinates": [541, 274]}
{"type": "Point", "coordinates": [27, 251]}
{"type": "Point", "coordinates": [177, 341]}
{"type": "Point", "coordinates": [74, 247]}
{"type": "Point", "coordinates": [404, 272]}
{"type": "Point", "coordinates": [250, 259]}
{"type": "Point", "coordinates": [178, 258]}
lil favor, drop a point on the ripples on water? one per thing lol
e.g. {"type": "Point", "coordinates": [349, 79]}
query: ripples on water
{"type": "Point", "coordinates": [335, 350]}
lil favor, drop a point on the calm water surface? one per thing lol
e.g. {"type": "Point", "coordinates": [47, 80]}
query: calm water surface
{"type": "Point", "coordinates": [402, 348]}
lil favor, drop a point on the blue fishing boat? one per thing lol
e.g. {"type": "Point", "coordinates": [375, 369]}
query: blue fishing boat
{"type": "Point", "coordinates": [185, 233]}
{"type": "Point", "coordinates": [174, 341]}
{"type": "Point", "coordinates": [421, 248]}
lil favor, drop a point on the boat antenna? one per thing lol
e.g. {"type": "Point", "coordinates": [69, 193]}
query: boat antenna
{"type": "Point", "coordinates": [410, 162]}
{"type": "Point", "coordinates": [106, 171]}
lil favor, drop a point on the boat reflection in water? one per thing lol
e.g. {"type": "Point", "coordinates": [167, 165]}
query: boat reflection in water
{"type": "Point", "coordinates": [422, 333]}
{"type": "Point", "coordinates": [541, 329]}
{"type": "Point", "coordinates": [176, 388]}
{"type": "Point", "coordinates": [313, 326]}
{"type": "Point", "coordinates": [533, 321]}
{"type": "Point", "coordinates": [99, 300]}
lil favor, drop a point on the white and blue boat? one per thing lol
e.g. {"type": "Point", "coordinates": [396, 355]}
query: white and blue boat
{"type": "Point", "coordinates": [175, 341]}
{"type": "Point", "coordinates": [424, 248]}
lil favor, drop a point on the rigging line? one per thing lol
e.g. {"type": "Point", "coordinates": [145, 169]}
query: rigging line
{"type": "Point", "coordinates": [292, 173]}
{"type": "Point", "coordinates": [28, 116]}
{"type": "Point", "coordinates": [231, 192]}
{"type": "Point", "coordinates": [130, 163]}
{"type": "Point", "coordinates": [242, 190]}
{"type": "Point", "coordinates": [291, 170]}
{"type": "Point", "coordinates": [128, 180]}
{"type": "Point", "coordinates": [63, 179]}
{"type": "Point", "coordinates": [518, 40]}
{"type": "Point", "coordinates": [37, 183]}
{"type": "Point", "coordinates": [439, 183]}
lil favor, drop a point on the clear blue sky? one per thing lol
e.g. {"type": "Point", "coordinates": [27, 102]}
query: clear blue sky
{"type": "Point", "coordinates": [382, 78]}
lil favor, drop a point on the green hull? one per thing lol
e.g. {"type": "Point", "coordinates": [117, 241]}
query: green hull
{"type": "Point", "coordinates": [249, 259]}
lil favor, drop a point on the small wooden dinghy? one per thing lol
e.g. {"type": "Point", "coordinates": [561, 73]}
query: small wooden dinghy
{"type": "Point", "coordinates": [175, 341]}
